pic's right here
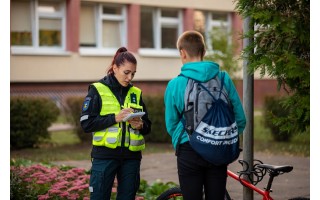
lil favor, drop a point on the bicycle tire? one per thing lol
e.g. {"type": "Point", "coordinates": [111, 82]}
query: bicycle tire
{"type": "Point", "coordinates": [227, 196]}
{"type": "Point", "coordinates": [174, 192]}
{"type": "Point", "coordinates": [170, 194]}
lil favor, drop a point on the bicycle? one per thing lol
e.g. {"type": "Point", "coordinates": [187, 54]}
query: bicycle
{"type": "Point", "coordinates": [255, 176]}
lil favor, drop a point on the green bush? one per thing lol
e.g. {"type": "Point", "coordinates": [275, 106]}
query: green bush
{"type": "Point", "coordinates": [155, 106]}
{"type": "Point", "coordinates": [74, 106]}
{"type": "Point", "coordinates": [273, 109]}
{"type": "Point", "coordinates": [30, 117]}
{"type": "Point", "coordinates": [19, 189]}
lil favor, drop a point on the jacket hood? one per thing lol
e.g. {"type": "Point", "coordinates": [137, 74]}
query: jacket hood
{"type": "Point", "coordinates": [200, 71]}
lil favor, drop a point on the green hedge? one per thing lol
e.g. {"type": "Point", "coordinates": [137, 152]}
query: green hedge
{"type": "Point", "coordinates": [74, 106]}
{"type": "Point", "coordinates": [274, 109]}
{"type": "Point", "coordinates": [30, 117]}
{"type": "Point", "coordinates": [155, 108]}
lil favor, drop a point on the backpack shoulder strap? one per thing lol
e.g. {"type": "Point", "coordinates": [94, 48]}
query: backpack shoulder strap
{"type": "Point", "coordinates": [222, 83]}
{"type": "Point", "coordinates": [208, 91]}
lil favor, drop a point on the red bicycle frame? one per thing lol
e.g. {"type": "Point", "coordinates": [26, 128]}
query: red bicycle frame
{"type": "Point", "coordinates": [264, 193]}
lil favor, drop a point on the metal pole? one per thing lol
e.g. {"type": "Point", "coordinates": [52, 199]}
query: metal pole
{"type": "Point", "coordinates": [248, 109]}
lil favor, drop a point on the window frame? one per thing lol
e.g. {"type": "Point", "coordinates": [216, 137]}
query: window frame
{"type": "Point", "coordinates": [35, 48]}
{"type": "Point", "coordinates": [211, 23]}
{"type": "Point", "coordinates": [99, 50]}
{"type": "Point", "coordinates": [158, 23]}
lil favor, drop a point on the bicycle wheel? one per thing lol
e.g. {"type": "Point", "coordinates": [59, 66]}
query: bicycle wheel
{"type": "Point", "coordinates": [172, 193]}
{"type": "Point", "coordinates": [227, 196]}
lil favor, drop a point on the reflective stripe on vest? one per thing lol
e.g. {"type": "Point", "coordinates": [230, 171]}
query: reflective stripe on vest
{"type": "Point", "coordinates": [137, 142]}
{"type": "Point", "coordinates": [111, 137]}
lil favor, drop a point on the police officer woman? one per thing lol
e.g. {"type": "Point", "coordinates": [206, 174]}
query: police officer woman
{"type": "Point", "coordinates": [117, 145]}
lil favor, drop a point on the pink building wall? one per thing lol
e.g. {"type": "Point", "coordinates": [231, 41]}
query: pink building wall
{"type": "Point", "coordinates": [73, 23]}
{"type": "Point", "coordinates": [187, 19]}
{"type": "Point", "coordinates": [237, 28]}
{"type": "Point", "coordinates": [133, 27]}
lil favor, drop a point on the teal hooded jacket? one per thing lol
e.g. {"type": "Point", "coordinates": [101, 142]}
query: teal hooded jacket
{"type": "Point", "coordinates": [174, 97]}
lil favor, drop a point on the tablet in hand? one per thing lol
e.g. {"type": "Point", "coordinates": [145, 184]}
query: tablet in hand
{"type": "Point", "coordinates": [133, 115]}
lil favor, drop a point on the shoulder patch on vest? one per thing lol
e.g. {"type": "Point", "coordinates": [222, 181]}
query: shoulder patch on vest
{"type": "Point", "coordinates": [86, 104]}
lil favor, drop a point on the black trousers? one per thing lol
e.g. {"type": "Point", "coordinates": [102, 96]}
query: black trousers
{"type": "Point", "coordinates": [102, 177]}
{"type": "Point", "coordinates": [197, 175]}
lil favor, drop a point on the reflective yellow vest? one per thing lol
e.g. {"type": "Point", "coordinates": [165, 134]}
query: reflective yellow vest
{"type": "Point", "coordinates": [111, 136]}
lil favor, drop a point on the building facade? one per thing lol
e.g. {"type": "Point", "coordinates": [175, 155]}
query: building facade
{"type": "Point", "coordinates": [59, 47]}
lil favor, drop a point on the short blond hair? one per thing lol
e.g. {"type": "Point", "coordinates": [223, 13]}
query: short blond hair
{"type": "Point", "coordinates": [193, 43]}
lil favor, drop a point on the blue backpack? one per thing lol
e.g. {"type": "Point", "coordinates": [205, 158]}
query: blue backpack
{"type": "Point", "coordinates": [210, 122]}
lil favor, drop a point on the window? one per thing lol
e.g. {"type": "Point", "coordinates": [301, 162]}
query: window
{"type": "Point", "coordinates": [102, 28]}
{"type": "Point", "coordinates": [87, 26]}
{"type": "Point", "coordinates": [160, 29]}
{"type": "Point", "coordinates": [147, 30]}
{"type": "Point", "coordinates": [38, 26]}
{"type": "Point", "coordinates": [21, 27]}
{"type": "Point", "coordinates": [205, 22]}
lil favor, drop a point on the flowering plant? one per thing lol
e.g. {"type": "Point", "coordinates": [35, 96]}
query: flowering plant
{"type": "Point", "coordinates": [46, 182]}
{"type": "Point", "coordinates": [40, 182]}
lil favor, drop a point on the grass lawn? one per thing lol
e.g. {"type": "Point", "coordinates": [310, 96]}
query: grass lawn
{"type": "Point", "coordinates": [299, 145]}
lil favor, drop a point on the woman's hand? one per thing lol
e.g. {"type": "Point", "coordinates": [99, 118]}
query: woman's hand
{"type": "Point", "coordinates": [122, 114]}
{"type": "Point", "coordinates": [136, 123]}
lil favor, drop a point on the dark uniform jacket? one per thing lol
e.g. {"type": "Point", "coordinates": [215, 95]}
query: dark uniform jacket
{"type": "Point", "coordinates": [91, 121]}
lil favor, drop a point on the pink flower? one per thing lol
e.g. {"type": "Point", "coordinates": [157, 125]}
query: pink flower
{"type": "Point", "coordinates": [64, 194]}
{"type": "Point", "coordinates": [63, 185]}
{"type": "Point", "coordinates": [79, 188]}
{"type": "Point", "coordinates": [54, 191]}
{"type": "Point", "coordinates": [77, 170]}
{"type": "Point", "coordinates": [43, 197]}
{"type": "Point", "coordinates": [71, 184]}
{"type": "Point", "coordinates": [29, 180]}
{"type": "Point", "coordinates": [73, 196]}
{"type": "Point", "coordinates": [40, 182]}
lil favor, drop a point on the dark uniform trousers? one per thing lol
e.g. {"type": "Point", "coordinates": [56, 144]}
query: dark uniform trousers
{"type": "Point", "coordinates": [102, 177]}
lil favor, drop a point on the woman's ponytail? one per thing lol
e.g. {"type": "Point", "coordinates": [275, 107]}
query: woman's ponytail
{"type": "Point", "coordinates": [120, 57]}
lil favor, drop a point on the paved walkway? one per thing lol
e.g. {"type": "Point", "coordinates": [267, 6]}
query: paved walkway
{"type": "Point", "coordinates": [60, 127]}
{"type": "Point", "coordinates": [162, 167]}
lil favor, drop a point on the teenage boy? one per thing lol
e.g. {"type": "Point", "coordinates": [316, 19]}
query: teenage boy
{"type": "Point", "coordinates": [195, 174]}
